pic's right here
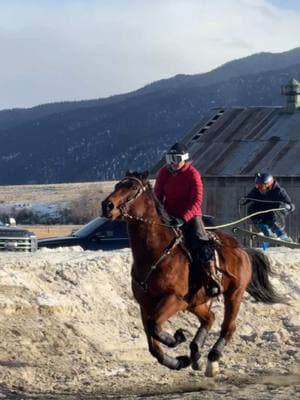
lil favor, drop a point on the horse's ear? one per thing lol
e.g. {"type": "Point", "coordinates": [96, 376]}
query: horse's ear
{"type": "Point", "coordinates": [128, 172]}
{"type": "Point", "coordinates": [145, 175]}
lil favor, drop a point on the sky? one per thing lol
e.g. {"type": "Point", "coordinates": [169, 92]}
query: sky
{"type": "Point", "coordinates": [65, 50]}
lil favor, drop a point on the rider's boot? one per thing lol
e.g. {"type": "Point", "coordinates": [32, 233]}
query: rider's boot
{"type": "Point", "coordinates": [282, 235]}
{"type": "Point", "coordinates": [266, 230]}
{"type": "Point", "coordinates": [206, 260]}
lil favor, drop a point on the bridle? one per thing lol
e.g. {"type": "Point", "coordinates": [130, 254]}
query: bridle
{"type": "Point", "coordinates": [140, 190]}
{"type": "Point", "coordinates": [124, 206]}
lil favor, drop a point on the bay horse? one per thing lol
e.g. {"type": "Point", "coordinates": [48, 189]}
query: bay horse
{"type": "Point", "coordinates": [160, 275]}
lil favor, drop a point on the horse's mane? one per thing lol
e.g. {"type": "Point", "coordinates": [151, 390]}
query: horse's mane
{"type": "Point", "coordinates": [143, 176]}
{"type": "Point", "coordinates": [166, 218]}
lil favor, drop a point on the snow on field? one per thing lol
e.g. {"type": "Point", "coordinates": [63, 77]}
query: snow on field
{"type": "Point", "coordinates": [48, 200]}
{"type": "Point", "coordinates": [46, 210]}
{"type": "Point", "coordinates": [69, 325]}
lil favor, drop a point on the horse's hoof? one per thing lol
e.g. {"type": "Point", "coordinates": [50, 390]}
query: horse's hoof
{"type": "Point", "coordinates": [183, 362]}
{"type": "Point", "coordinates": [195, 365]}
{"type": "Point", "coordinates": [179, 336]}
{"type": "Point", "coordinates": [212, 369]}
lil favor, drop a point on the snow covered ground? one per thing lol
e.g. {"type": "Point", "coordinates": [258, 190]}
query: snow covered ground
{"type": "Point", "coordinates": [43, 210]}
{"type": "Point", "coordinates": [69, 325]}
{"type": "Point", "coordinates": [48, 201]}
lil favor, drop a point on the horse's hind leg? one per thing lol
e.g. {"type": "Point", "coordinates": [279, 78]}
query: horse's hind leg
{"type": "Point", "coordinates": [206, 317]}
{"type": "Point", "coordinates": [232, 302]}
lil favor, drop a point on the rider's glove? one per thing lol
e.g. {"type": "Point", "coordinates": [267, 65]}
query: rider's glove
{"type": "Point", "coordinates": [289, 207]}
{"type": "Point", "coordinates": [177, 222]}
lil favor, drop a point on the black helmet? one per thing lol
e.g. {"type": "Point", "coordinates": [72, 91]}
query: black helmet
{"type": "Point", "coordinates": [263, 181]}
{"type": "Point", "coordinates": [178, 148]}
{"type": "Point", "coordinates": [177, 153]}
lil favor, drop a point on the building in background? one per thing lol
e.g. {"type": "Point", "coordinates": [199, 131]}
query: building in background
{"type": "Point", "coordinates": [230, 145]}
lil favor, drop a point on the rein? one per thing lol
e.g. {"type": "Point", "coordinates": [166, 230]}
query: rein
{"type": "Point", "coordinates": [147, 221]}
{"type": "Point", "coordinates": [178, 235]}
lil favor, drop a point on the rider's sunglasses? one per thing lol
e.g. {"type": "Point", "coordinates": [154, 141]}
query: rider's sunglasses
{"type": "Point", "coordinates": [176, 158]}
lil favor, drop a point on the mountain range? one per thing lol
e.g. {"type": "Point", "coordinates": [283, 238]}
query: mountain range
{"type": "Point", "coordinates": [96, 140]}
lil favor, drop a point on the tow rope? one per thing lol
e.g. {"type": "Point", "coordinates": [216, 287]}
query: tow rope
{"type": "Point", "coordinates": [243, 219]}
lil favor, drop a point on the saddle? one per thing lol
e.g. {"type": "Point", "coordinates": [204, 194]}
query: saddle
{"type": "Point", "coordinates": [208, 275]}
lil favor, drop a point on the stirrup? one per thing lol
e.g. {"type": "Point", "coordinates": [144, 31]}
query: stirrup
{"type": "Point", "coordinates": [214, 286]}
{"type": "Point", "coordinates": [214, 277]}
{"type": "Point", "coordinates": [213, 291]}
{"type": "Point", "coordinates": [218, 286]}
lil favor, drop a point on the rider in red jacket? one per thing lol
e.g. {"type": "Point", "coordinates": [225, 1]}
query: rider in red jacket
{"type": "Point", "coordinates": [181, 191]}
{"type": "Point", "coordinates": [179, 188]}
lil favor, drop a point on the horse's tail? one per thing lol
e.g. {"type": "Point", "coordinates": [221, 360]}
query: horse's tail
{"type": "Point", "coordinates": [260, 287]}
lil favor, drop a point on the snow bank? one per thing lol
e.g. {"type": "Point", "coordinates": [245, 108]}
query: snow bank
{"type": "Point", "coordinates": [68, 322]}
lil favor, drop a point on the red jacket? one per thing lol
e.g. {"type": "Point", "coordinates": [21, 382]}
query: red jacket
{"type": "Point", "coordinates": [181, 192]}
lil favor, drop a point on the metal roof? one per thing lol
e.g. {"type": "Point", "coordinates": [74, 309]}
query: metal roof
{"type": "Point", "coordinates": [241, 141]}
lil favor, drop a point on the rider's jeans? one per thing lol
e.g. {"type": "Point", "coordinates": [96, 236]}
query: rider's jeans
{"type": "Point", "coordinates": [266, 230]}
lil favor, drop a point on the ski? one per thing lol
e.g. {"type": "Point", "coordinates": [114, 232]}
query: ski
{"type": "Point", "coordinates": [240, 232]}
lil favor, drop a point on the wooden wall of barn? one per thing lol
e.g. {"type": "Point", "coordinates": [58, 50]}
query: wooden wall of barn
{"type": "Point", "coordinates": [222, 195]}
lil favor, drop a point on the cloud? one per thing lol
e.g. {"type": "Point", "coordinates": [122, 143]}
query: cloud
{"type": "Point", "coordinates": [66, 50]}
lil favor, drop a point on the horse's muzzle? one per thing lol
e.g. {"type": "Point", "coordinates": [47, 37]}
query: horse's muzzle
{"type": "Point", "coordinates": [107, 207]}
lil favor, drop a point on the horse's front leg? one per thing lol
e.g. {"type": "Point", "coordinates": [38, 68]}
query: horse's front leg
{"type": "Point", "coordinates": [165, 309]}
{"type": "Point", "coordinates": [206, 317]}
{"type": "Point", "coordinates": [232, 302]}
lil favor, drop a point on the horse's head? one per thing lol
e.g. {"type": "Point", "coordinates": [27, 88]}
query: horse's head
{"type": "Point", "coordinates": [124, 195]}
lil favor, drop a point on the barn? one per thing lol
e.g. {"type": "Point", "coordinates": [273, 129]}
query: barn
{"type": "Point", "coordinates": [230, 145]}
